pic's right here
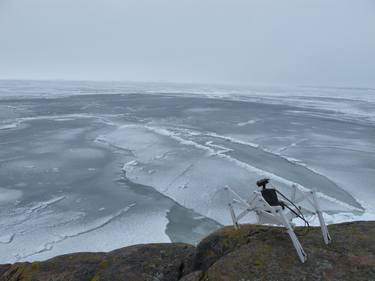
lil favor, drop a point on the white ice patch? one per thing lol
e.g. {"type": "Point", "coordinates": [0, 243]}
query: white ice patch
{"type": "Point", "coordinates": [9, 126]}
{"type": "Point", "coordinates": [6, 239]}
{"type": "Point", "coordinates": [121, 229]}
{"type": "Point", "coordinates": [129, 166]}
{"type": "Point", "coordinates": [181, 171]}
{"type": "Point", "coordinates": [250, 168]}
{"type": "Point", "coordinates": [83, 153]}
{"type": "Point", "coordinates": [234, 140]}
{"type": "Point", "coordinates": [43, 205]}
{"type": "Point", "coordinates": [43, 230]}
{"type": "Point", "coordinates": [76, 231]}
{"type": "Point", "coordinates": [221, 150]}
{"type": "Point", "coordinates": [9, 195]}
{"type": "Point", "coordinates": [368, 215]}
{"type": "Point", "coordinates": [63, 119]}
{"type": "Point", "coordinates": [250, 122]}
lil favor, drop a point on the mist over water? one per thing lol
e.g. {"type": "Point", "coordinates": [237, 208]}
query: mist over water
{"type": "Point", "coordinates": [320, 43]}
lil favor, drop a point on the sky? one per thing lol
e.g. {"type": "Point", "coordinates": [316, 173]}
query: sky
{"type": "Point", "coordinates": [293, 42]}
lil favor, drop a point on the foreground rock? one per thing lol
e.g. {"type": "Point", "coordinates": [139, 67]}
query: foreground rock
{"type": "Point", "coordinates": [252, 253]}
{"type": "Point", "coordinates": [266, 253]}
{"type": "Point", "coordinates": [151, 262]}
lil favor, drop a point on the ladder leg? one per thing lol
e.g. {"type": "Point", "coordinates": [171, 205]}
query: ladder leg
{"type": "Point", "coordinates": [326, 237]}
{"type": "Point", "coordinates": [297, 245]}
{"type": "Point", "coordinates": [233, 215]}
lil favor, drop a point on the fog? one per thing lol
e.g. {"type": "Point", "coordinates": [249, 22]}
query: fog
{"type": "Point", "coordinates": [320, 42]}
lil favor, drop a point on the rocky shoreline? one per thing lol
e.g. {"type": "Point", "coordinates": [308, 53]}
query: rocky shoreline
{"type": "Point", "coordinates": [252, 253]}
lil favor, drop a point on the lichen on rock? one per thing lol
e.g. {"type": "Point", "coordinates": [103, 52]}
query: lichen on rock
{"type": "Point", "coordinates": [252, 253]}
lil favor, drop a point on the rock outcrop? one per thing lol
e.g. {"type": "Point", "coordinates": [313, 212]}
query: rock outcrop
{"type": "Point", "coordinates": [151, 262]}
{"type": "Point", "coordinates": [266, 253]}
{"type": "Point", "coordinates": [252, 253]}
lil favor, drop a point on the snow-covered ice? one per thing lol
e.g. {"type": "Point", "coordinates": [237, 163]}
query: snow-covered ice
{"type": "Point", "coordinates": [93, 166]}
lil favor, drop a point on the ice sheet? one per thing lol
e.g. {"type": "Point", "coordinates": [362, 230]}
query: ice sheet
{"type": "Point", "coordinates": [176, 167]}
{"type": "Point", "coordinates": [97, 166]}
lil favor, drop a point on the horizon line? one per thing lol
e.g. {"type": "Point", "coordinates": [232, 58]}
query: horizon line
{"type": "Point", "coordinates": [224, 84]}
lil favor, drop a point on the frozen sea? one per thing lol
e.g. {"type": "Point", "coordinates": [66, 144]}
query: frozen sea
{"type": "Point", "coordinates": [94, 166]}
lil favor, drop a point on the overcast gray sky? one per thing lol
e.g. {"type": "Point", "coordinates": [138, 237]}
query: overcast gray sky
{"type": "Point", "coordinates": [316, 42]}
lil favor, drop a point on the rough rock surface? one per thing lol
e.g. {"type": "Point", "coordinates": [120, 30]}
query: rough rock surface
{"type": "Point", "coordinates": [252, 253]}
{"type": "Point", "coordinates": [151, 262]}
{"type": "Point", "coordinates": [266, 253]}
{"type": "Point", "coordinates": [194, 276]}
